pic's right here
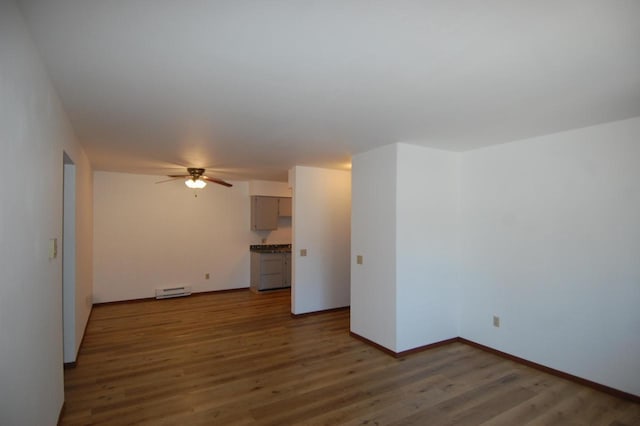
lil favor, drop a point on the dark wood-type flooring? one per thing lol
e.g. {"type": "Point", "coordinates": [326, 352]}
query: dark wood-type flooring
{"type": "Point", "coordinates": [238, 358]}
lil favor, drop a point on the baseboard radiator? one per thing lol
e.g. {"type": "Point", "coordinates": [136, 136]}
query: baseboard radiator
{"type": "Point", "coordinates": [166, 293]}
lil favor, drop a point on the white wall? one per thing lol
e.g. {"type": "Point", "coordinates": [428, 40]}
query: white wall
{"type": "Point", "coordinates": [373, 235]}
{"type": "Point", "coordinates": [281, 235]}
{"type": "Point", "coordinates": [149, 236]}
{"type": "Point", "coordinates": [404, 223]}
{"type": "Point", "coordinates": [269, 188]}
{"type": "Point", "coordinates": [84, 241]}
{"type": "Point", "coordinates": [77, 246]}
{"type": "Point", "coordinates": [426, 246]}
{"type": "Point", "coordinates": [551, 244]}
{"type": "Point", "coordinates": [544, 233]}
{"type": "Point", "coordinates": [321, 224]}
{"type": "Point", "coordinates": [34, 132]}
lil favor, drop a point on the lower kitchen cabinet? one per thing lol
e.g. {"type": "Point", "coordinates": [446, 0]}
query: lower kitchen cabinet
{"type": "Point", "coordinates": [270, 270]}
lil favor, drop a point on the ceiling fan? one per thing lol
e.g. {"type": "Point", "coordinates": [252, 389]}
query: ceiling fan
{"type": "Point", "coordinates": [196, 179]}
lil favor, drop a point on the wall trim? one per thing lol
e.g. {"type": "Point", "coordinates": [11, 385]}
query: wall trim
{"type": "Point", "coordinates": [72, 364]}
{"type": "Point", "coordinates": [374, 344]}
{"type": "Point", "coordinates": [325, 311]}
{"type": "Point", "coordinates": [554, 372]}
{"type": "Point", "coordinates": [426, 347]}
{"type": "Point", "coordinates": [61, 413]}
{"type": "Point", "coordinates": [403, 353]}
{"type": "Point", "coordinates": [558, 373]}
{"type": "Point", "coordinates": [148, 299]}
{"type": "Point", "coordinates": [226, 290]}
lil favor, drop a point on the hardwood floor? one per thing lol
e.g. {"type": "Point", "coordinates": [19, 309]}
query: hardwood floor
{"type": "Point", "coordinates": [239, 358]}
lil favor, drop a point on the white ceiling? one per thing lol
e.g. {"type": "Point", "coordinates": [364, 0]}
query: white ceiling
{"type": "Point", "coordinates": [251, 88]}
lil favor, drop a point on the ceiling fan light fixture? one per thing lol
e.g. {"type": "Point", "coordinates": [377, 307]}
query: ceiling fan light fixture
{"type": "Point", "coordinates": [195, 183]}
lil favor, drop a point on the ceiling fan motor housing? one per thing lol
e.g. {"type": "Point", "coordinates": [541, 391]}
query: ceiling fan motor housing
{"type": "Point", "coordinates": [196, 175]}
{"type": "Point", "coordinates": [195, 172]}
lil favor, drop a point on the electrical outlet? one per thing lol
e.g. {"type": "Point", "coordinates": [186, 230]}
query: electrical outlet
{"type": "Point", "coordinates": [303, 252]}
{"type": "Point", "coordinates": [496, 321]}
{"type": "Point", "coordinates": [359, 259]}
{"type": "Point", "coordinates": [207, 276]}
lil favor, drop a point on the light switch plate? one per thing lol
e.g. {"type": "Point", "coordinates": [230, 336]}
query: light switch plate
{"type": "Point", "coordinates": [303, 252]}
{"type": "Point", "coordinates": [53, 248]}
{"type": "Point", "coordinates": [359, 259]}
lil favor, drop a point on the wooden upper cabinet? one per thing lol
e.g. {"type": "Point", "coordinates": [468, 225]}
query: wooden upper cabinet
{"type": "Point", "coordinates": [266, 210]}
{"type": "Point", "coordinates": [284, 206]}
{"type": "Point", "coordinates": [264, 213]}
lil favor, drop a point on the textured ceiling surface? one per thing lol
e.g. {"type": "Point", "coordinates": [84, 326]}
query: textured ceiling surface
{"type": "Point", "coordinates": [251, 88]}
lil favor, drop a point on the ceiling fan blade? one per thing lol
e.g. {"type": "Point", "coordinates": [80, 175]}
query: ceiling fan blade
{"type": "Point", "coordinates": [178, 176]}
{"type": "Point", "coordinates": [168, 180]}
{"type": "Point", "coordinates": [218, 181]}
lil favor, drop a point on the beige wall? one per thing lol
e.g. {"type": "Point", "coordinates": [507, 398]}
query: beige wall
{"type": "Point", "coordinates": [84, 243]}
{"type": "Point", "coordinates": [321, 224]}
{"type": "Point", "coordinates": [150, 236]}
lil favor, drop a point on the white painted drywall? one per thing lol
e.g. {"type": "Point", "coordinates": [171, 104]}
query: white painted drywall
{"type": "Point", "coordinates": [426, 246]}
{"type": "Point", "coordinates": [281, 235]}
{"type": "Point", "coordinates": [34, 132]}
{"type": "Point", "coordinates": [373, 236]}
{"type": "Point", "coordinates": [551, 243]}
{"type": "Point", "coordinates": [80, 300]}
{"type": "Point", "coordinates": [269, 188]}
{"type": "Point", "coordinates": [404, 222]}
{"type": "Point", "coordinates": [321, 225]}
{"type": "Point", "coordinates": [150, 236]}
{"type": "Point", "coordinates": [84, 242]}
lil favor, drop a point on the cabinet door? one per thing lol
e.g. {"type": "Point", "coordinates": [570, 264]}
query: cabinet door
{"type": "Point", "coordinates": [255, 271]}
{"type": "Point", "coordinates": [284, 206]}
{"type": "Point", "coordinates": [268, 282]}
{"type": "Point", "coordinates": [264, 213]}
{"type": "Point", "coordinates": [286, 269]}
{"type": "Point", "coordinates": [271, 263]}
{"type": "Point", "coordinates": [271, 275]}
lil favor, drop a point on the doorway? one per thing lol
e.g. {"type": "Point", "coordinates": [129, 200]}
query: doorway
{"type": "Point", "coordinates": [69, 260]}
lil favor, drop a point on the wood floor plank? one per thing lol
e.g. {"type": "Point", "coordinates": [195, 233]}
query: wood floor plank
{"type": "Point", "coordinates": [238, 358]}
{"type": "Point", "coordinates": [532, 408]}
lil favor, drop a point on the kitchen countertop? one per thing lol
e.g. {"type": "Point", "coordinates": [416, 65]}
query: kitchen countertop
{"type": "Point", "coordinates": [270, 248]}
